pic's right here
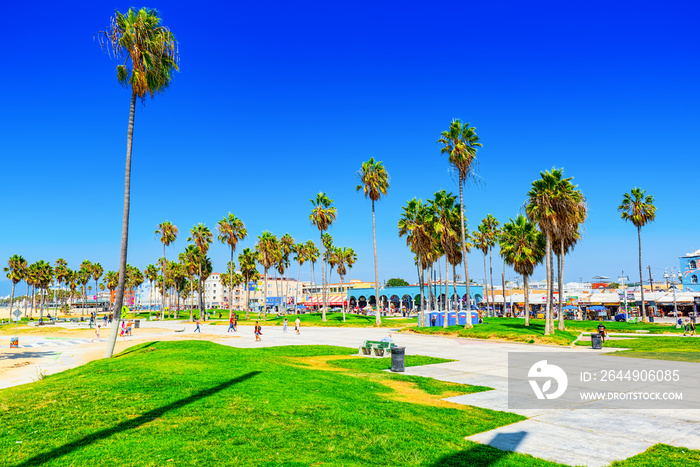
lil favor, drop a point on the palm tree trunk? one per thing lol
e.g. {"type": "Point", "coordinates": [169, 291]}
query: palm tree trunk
{"type": "Point", "coordinates": [296, 291]}
{"type": "Point", "coordinates": [641, 280]}
{"type": "Point", "coordinates": [378, 319]}
{"type": "Point", "coordinates": [265, 297]}
{"type": "Point", "coordinates": [454, 286]}
{"type": "Point", "coordinates": [548, 259]}
{"type": "Point", "coordinates": [503, 285]}
{"type": "Point", "coordinates": [493, 297]}
{"type": "Point", "coordinates": [119, 299]}
{"type": "Point", "coordinates": [26, 300]}
{"type": "Point", "coordinates": [12, 296]}
{"type": "Point", "coordinates": [311, 294]}
{"type": "Point", "coordinates": [447, 291]}
{"type": "Point", "coordinates": [561, 287]}
{"type": "Point", "coordinates": [200, 293]}
{"type": "Point", "coordinates": [486, 288]}
{"type": "Point", "coordinates": [527, 299]}
{"type": "Point", "coordinates": [421, 317]}
{"type": "Point", "coordinates": [247, 299]}
{"type": "Point", "coordinates": [464, 251]}
{"type": "Point", "coordinates": [191, 297]}
{"type": "Point", "coordinates": [323, 283]}
{"type": "Point", "coordinates": [440, 286]}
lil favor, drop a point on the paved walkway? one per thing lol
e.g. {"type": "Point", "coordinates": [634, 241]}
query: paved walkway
{"type": "Point", "coordinates": [574, 437]}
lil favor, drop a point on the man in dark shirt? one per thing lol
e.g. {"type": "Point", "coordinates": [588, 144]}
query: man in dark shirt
{"type": "Point", "coordinates": [601, 331]}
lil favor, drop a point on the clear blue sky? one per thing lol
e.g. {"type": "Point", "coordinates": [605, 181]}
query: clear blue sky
{"type": "Point", "coordinates": [278, 101]}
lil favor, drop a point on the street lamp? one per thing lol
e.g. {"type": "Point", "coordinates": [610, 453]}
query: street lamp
{"type": "Point", "coordinates": [624, 278]}
{"type": "Point", "coordinates": [675, 272]}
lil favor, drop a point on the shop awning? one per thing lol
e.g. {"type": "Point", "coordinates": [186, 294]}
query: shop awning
{"type": "Point", "coordinates": [333, 300]}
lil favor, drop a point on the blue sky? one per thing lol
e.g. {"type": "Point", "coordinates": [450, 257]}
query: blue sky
{"type": "Point", "coordinates": [278, 101]}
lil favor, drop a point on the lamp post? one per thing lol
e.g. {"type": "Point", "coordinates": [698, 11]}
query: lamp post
{"type": "Point", "coordinates": [673, 276]}
{"type": "Point", "coordinates": [624, 293]}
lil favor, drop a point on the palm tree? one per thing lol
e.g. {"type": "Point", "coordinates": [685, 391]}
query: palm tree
{"type": "Point", "coordinates": [638, 207]}
{"type": "Point", "coordinates": [168, 233]}
{"type": "Point", "coordinates": [572, 216]}
{"type": "Point", "coordinates": [301, 255]}
{"type": "Point", "coordinates": [522, 247]}
{"type": "Point", "coordinates": [43, 277]}
{"type": "Point", "coordinates": [267, 248]}
{"type": "Point", "coordinates": [327, 240]}
{"type": "Point", "coordinates": [151, 273]}
{"type": "Point", "coordinates": [83, 278]}
{"type": "Point", "coordinates": [231, 231]}
{"type": "Point", "coordinates": [558, 208]}
{"type": "Point", "coordinates": [312, 253]}
{"type": "Point", "coordinates": [147, 55]}
{"type": "Point", "coordinates": [490, 225]}
{"type": "Point", "coordinates": [247, 260]}
{"type": "Point", "coordinates": [460, 142]}
{"type": "Point", "coordinates": [72, 281]}
{"type": "Point", "coordinates": [415, 224]}
{"type": "Point", "coordinates": [202, 237]}
{"type": "Point", "coordinates": [350, 258]}
{"type": "Point", "coordinates": [97, 271]}
{"type": "Point", "coordinates": [190, 261]}
{"type": "Point", "coordinates": [16, 271]}
{"type": "Point", "coordinates": [374, 182]}
{"type": "Point", "coordinates": [481, 241]}
{"type": "Point", "coordinates": [443, 209]}
{"type": "Point", "coordinates": [322, 216]}
{"type": "Point", "coordinates": [338, 256]}
{"type": "Point", "coordinates": [62, 272]}
{"type": "Point", "coordinates": [286, 246]}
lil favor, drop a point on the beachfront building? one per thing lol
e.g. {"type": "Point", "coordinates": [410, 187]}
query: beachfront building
{"type": "Point", "coordinates": [690, 269]}
{"type": "Point", "coordinates": [336, 293]}
{"type": "Point", "coordinates": [281, 291]}
{"type": "Point", "coordinates": [395, 299]}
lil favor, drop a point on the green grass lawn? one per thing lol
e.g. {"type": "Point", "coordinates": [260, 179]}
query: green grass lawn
{"type": "Point", "coordinates": [510, 329]}
{"type": "Point", "coordinates": [662, 455]}
{"type": "Point", "coordinates": [200, 403]}
{"type": "Point", "coordinates": [621, 326]}
{"type": "Point", "coordinates": [683, 349]}
{"type": "Point", "coordinates": [332, 320]}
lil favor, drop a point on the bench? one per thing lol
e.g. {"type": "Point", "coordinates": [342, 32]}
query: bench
{"type": "Point", "coordinates": [379, 347]}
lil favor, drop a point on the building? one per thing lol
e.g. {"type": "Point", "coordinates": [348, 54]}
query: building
{"type": "Point", "coordinates": [690, 269]}
{"type": "Point", "coordinates": [408, 297]}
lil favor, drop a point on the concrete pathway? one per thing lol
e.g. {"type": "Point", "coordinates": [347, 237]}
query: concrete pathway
{"type": "Point", "coordinates": [574, 437]}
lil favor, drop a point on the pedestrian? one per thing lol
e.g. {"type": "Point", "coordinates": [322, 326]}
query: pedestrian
{"type": "Point", "coordinates": [432, 320]}
{"type": "Point", "coordinates": [297, 325]}
{"type": "Point", "coordinates": [235, 323]}
{"type": "Point", "coordinates": [128, 328]}
{"type": "Point", "coordinates": [122, 330]}
{"type": "Point", "coordinates": [97, 333]}
{"type": "Point", "coordinates": [258, 332]}
{"type": "Point", "coordinates": [230, 324]}
{"type": "Point", "coordinates": [105, 319]}
{"type": "Point", "coordinates": [692, 328]}
{"type": "Point", "coordinates": [687, 327]}
{"type": "Point", "coordinates": [110, 318]}
{"type": "Point", "coordinates": [284, 325]}
{"type": "Point", "coordinates": [601, 331]}
{"type": "Point", "coordinates": [196, 329]}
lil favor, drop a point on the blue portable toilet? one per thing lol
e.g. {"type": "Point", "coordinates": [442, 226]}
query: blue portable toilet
{"type": "Point", "coordinates": [462, 318]}
{"type": "Point", "coordinates": [438, 318]}
{"type": "Point", "coordinates": [451, 319]}
{"type": "Point", "coordinates": [475, 317]}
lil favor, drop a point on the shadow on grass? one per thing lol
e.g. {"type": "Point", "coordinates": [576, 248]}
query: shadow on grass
{"type": "Point", "coordinates": [135, 349]}
{"type": "Point", "coordinates": [483, 455]}
{"type": "Point", "coordinates": [29, 354]}
{"type": "Point", "coordinates": [40, 459]}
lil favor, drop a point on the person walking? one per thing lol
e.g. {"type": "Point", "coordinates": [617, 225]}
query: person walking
{"type": "Point", "coordinates": [196, 329]}
{"type": "Point", "coordinates": [258, 332]}
{"type": "Point", "coordinates": [235, 322]}
{"type": "Point", "coordinates": [284, 325]}
{"type": "Point", "coordinates": [230, 324]}
{"type": "Point", "coordinates": [297, 325]}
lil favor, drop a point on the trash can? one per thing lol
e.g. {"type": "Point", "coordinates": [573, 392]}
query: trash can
{"type": "Point", "coordinates": [397, 359]}
{"type": "Point", "coordinates": [596, 341]}
{"type": "Point", "coordinates": [137, 323]}
{"type": "Point", "coordinates": [14, 343]}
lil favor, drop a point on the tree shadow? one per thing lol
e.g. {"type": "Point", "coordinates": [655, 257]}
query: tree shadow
{"type": "Point", "coordinates": [28, 354]}
{"type": "Point", "coordinates": [40, 459]}
{"type": "Point", "coordinates": [484, 455]}
{"type": "Point", "coordinates": [136, 348]}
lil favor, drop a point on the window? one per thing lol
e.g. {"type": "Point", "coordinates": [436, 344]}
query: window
{"type": "Point", "coordinates": [693, 279]}
{"type": "Point", "coordinates": [693, 264]}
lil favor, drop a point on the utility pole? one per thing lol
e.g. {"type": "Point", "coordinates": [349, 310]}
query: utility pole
{"type": "Point", "coordinates": [624, 292]}
{"type": "Point", "coordinates": [651, 281]}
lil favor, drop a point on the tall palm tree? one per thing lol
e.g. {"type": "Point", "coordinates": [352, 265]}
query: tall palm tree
{"type": "Point", "coordinates": [148, 56]}
{"type": "Point", "coordinates": [83, 278]}
{"type": "Point", "coordinates": [481, 241]}
{"type": "Point", "coordinates": [72, 281]}
{"type": "Point", "coordinates": [97, 271]}
{"type": "Point", "coordinates": [61, 271]}
{"type": "Point", "coordinates": [460, 143]}
{"type": "Point", "coordinates": [287, 246]}
{"type": "Point", "coordinates": [247, 261]}
{"type": "Point", "coordinates": [312, 253]}
{"type": "Point", "coordinates": [202, 237]}
{"type": "Point", "coordinates": [322, 216]}
{"type": "Point", "coordinates": [151, 273]}
{"type": "Point", "coordinates": [300, 256]}
{"type": "Point", "coordinates": [522, 247]}
{"type": "Point", "coordinates": [338, 256]}
{"type": "Point", "coordinates": [443, 210]}
{"type": "Point", "coordinates": [44, 277]}
{"type": "Point", "coordinates": [267, 248]}
{"type": "Point", "coordinates": [638, 208]}
{"type": "Point", "coordinates": [168, 234]}
{"type": "Point", "coordinates": [374, 182]}
{"type": "Point", "coordinates": [190, 259]}
{"type": "Point", "coordinates": [16, 271]}
{"type": "Point", "coordinates": [350, 260]}
{"type": "Point", "coordinates": [415, 225]}
{"type": "Point", "coordinates": [490, 225]}
{"type": "Point", "coordinates": [327, 240]}
{"type": "Point", "coordinates": [231, 231]}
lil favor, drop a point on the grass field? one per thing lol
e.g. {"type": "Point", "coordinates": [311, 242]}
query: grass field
{"type": "Point", "coordinates": [332, 320]}
{"type": "Point", "coordinates": [682, 349]}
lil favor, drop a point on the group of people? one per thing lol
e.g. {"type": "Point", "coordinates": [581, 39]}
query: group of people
{"type": "Point", "coordinates": [233, 326]}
